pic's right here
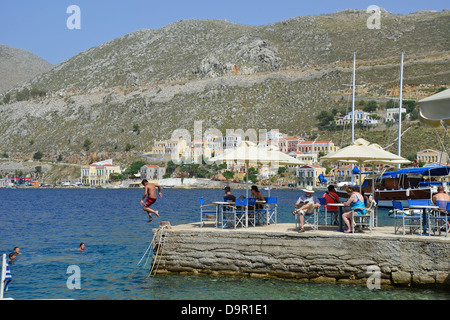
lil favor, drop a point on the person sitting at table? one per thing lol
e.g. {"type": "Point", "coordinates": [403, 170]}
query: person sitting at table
{"type": "Point", "coordinates": [228, 196]}
{"type": "Point", "coordinates": [258, 195]}
{"type": "Point", "coordinates": [441, 195]}
{"type": "Point", "coordinates": [356, 203]}
{"type": "Point", "coordinates": [305, 205]}
{"type": "Point", "coordinates": [332, 197]}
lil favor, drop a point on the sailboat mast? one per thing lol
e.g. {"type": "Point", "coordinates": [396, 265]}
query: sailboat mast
{"type": "Point", "coordinates": [400, 110]}
{"type": "Point", "coordinates": [353, 98]}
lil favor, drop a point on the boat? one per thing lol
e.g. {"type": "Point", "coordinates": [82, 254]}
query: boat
{"type": "Point", "coordinates": [404, 184]}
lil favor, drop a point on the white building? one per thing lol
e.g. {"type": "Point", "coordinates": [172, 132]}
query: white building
{"type": "Point", "coordinates": [152, 172]}
{"type": "Point", "coordinates": [360, 117]}
{"type": "Point", "coordinates": [390, 114]}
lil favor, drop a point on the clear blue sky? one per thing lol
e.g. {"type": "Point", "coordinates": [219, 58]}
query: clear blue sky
{"type": "Point", "coordinates": [39, 26]}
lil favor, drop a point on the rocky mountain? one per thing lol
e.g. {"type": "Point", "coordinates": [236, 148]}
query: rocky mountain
{"type": "Point", "coordinates": [18, 65]}
{"type": "Point", "coordinates": [229, 76]}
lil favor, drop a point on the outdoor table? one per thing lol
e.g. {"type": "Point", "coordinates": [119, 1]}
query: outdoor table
{"type": "Point", "coordinates": [424, 215]}
{"type": "Point", "coordinates": [219, 210]}
{"type": "Point", "coordinates": [341, 206]}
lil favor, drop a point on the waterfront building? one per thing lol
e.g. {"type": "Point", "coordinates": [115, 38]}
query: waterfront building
{"type": "Point", "coordinates": [98, 173]}
{"type": "Point", "coordinates": [152, 172]}
{"type": "Point", "coordinates": [308, 175]}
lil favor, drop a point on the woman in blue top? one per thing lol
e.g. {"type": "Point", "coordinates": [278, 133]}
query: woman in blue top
{"type": "Point", "coordinates": [356, 203]}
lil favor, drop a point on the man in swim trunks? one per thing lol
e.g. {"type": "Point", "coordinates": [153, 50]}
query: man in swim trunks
{"type": "Point", "coordinates": [150, 192]}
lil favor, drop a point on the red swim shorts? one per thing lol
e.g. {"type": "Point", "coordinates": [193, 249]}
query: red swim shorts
{"type": "Point", "coordinates": [149, 202]}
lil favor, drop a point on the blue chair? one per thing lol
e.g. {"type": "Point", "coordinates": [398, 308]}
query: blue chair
{"type": "Point", "coordinates": [323, 213]}
{"type": "Point", "coordinates": [207, 214]}
{"type": "Point", "coordinates": [311, 219]}
{"type": "Point", "coordinates": [439, 220]}
{"type": "Point", "coordinates": [269, 212]}
{"type": "Point", "coordinates": [237, 215]}
{"type": "Point", "coordinates": [404, 218]}
{"type": "Point", "coordinates": [252, 211]}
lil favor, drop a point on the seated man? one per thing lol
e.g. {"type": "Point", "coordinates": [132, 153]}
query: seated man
{"type": "Point", "coordinates": [441, 195]}
{"type": "Point", "coordinates": [228, 196]}
{"type": "Point", "coordinates": [305, 205]}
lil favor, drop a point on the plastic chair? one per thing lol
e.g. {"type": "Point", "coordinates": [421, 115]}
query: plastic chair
{"type": "Point", "coordinates": [268, 213]}
{"type": "Point", "coordinates": [252, 212]}
{"type": "Point", "coordinates": [439, 220]}
{"type": "Point", "coordinates": [405, 218]}
{"type": "Point", "coordinates": [364, 220]}
{"type": "Point", "coordinates": [311, 219]}
{"type": "Point", "coordinates": [323, 213]}
{"type": "Point", "coordinates": [206, 214]}
{"type": "Point", "coordinates": [238, 214]}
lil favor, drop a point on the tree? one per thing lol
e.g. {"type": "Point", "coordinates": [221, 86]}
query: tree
{"type": "Point", "coordinates": [371, 106]}
{"type": "Point", "coordinates": [325, 117]}
{"type": "Point", "coordinates": [129, 146]}
{"type": "Point", "coordinates": [37, 156]}
{"type": "Point", "coordinates": [134, 167]}
{"type": "Point", "coordinates": [7, 98]}
{"type": "Point", "coordinates": [87, 144]}
{"type": "Point", "coordinates": [228, 174]}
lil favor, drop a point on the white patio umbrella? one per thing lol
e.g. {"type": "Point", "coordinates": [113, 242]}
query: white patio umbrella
{"type": "Point", "coordinates": [249, 153]}
{"type": "Point", "coordinates": [363, 152]}
{"type": "Point", "coordinates": [435, 108]}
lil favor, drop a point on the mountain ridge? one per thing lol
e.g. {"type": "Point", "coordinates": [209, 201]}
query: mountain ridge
{"type": "Point", "coordinates": [277, 76]}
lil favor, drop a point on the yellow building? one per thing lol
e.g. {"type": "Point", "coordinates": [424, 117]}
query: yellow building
{"type": "Point", "coordinates": [98, 174]}
{"type": "Point", "coordinates": [174, 149]}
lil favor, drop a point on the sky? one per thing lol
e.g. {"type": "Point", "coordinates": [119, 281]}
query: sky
{"type": "Point", "coordinates": [40, 26]}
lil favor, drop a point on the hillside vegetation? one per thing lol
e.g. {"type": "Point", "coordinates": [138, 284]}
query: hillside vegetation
{"type": "Point", "coordinates": [228, 76]}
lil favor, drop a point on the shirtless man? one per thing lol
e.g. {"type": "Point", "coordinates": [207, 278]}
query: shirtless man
{"type": "Point", "coordinates": [441, 195]}
{"type": "Point", "coordinates": [150, 192]}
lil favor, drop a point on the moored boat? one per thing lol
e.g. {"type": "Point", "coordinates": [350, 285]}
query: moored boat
{"type": "Point", "coordinates": [404, 184]}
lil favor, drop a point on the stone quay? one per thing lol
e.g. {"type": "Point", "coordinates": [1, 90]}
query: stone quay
{"type": "Point", "coordinates": [323, 255]}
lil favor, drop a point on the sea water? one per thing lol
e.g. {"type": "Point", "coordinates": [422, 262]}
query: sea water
{"type": "Point", "coordinates": [49, 224]}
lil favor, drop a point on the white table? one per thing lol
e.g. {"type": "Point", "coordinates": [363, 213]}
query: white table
{"type": "Point", "coordinates": [341, 206]}
{"type": "Point", "coordinates": [424, 215]}
{"type": "Point", "coordinates": [219, 210]}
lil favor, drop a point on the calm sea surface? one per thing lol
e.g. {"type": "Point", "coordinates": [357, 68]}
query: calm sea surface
{"type": "Point", "coordinates": [49, 224]}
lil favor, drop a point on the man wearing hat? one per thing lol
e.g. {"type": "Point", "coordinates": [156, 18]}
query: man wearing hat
{"type": "Point", "coordinates": [305, 205]}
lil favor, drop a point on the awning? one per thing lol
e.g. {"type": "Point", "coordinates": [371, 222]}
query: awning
{"type": "Point", "coordinates": [436, 171]}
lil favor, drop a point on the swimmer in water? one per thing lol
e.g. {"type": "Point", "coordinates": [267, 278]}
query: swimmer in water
{"type": "Point", "coordinates": [82, 247]}
{"type": "Point", "coordinates": [17, 251]}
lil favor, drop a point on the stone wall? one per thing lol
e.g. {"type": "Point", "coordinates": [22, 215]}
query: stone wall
{"type": "Point", "coordinates": [316, 257]}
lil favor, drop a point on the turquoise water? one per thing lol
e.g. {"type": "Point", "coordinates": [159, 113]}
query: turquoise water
{"type": "Point", "coordinates": [49, 224]}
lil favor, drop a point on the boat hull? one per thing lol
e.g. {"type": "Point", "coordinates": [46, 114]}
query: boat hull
{"type": "Point", "coordinates": [385, 197]}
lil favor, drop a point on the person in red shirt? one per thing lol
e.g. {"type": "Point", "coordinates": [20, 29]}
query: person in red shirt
{"type": "Point", "coordinates": [332, 197]}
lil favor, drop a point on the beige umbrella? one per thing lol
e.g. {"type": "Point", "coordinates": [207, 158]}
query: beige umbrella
{"type": "Point", "coordinates": [363, 152]}
{"type": "Point", "coordinates": [435, 108]}
{"type": "Point", "coordinates": [249, 153]}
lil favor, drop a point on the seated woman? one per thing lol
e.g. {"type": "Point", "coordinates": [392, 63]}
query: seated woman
{"type": "Point", "coordinates": [356, 203]}
{"type": "Point", "coordinates": [259, 197]}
